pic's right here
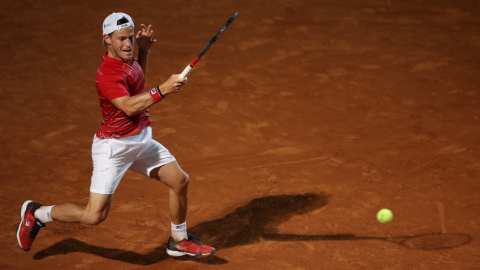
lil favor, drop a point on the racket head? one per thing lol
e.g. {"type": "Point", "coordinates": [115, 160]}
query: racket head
{"type": "Point", "coordinates": [230, 20]}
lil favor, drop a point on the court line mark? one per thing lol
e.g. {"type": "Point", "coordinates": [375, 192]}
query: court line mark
{"type": "Point", "coordinates": [441, 217]}
{"type": "Point", "coordinates": [55, 133]}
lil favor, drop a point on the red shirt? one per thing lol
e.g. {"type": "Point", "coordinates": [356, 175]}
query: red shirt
{"type": "Point", "coordinates": [116, 79]}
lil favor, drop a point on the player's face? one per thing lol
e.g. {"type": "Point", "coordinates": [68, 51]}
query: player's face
{"type": "Point", "coordinates": [122, 44]}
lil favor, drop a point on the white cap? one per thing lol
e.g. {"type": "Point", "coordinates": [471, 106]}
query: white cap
{"type": "Point", "coordinates": [110, 24]}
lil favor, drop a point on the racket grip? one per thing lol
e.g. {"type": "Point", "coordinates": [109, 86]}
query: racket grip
{"type": "Point", "coordinates": [186, 71]}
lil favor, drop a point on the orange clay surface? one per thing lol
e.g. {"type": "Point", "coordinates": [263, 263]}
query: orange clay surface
{"type": "Point", "coordinates": [302, 121]}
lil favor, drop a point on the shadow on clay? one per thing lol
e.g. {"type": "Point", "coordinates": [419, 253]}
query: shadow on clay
{"type": "Point", "coordinates": [258, 219]}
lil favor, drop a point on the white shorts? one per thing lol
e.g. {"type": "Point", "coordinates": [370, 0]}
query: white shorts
{"type": "Point", "coordinates": [113, 157]}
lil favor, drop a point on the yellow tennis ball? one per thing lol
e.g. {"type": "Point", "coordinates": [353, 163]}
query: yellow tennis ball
{"type": "Point", "coordinates": [384, 216]}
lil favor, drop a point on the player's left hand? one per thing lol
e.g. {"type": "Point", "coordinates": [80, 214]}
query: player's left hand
{"type": "Point", "coordinates": [145, 38]}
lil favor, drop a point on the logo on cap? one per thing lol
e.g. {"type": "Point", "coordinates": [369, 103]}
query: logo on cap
{"type": "Point", "coordinates": [123, 25]}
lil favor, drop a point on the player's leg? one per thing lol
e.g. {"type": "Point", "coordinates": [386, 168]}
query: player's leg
{"type": "Point", "coordinates": [177, 181]}
{"type": "Point", "coordinates": [180, 243]}
{"type": "Point", "coordinates": [111, 159]}
{"type": "Point", "coordinates": [93, 213]}
{"type": "Point", "coordinates": [156, 162]}
{"type": "Point", "coordinates": [35, 216]}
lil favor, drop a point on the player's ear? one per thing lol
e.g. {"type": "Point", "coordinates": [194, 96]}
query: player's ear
{"type": "Point", "coordinates": [107, 39]}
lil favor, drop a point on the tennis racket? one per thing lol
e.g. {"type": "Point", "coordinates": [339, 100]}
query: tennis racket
{"type": "Point", "coordinates": [194, 62]}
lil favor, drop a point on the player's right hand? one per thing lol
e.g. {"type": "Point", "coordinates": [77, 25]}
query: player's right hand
{"type": "Point", "coordinates": [173, 85]}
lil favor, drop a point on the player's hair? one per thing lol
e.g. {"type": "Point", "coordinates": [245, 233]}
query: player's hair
{"type": "Point", "coordinates": [119, 22]}
{"type": "Point", "coordinates": [122, 21]}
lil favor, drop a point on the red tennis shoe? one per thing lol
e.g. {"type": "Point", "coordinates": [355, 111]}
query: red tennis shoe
{"type": "Point", "coordinates": [190, 246]}
{"type": "Point", "coordinates": [27, 229]}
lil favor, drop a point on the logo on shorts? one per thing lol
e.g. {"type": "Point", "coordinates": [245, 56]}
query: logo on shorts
{"type": "Point", "coordinates": [27, 223]}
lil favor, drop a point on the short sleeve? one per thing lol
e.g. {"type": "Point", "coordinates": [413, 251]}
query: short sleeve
{"type": "Point", "coordinates": [113, 86]}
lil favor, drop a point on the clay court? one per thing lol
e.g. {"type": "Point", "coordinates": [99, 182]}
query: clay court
{"type": "Point", "coordinates": [302, 121]}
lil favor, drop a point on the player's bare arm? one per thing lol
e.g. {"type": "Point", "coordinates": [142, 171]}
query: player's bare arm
{"type": "Point", "coordinates": [144, 40]}
{"type": "Point", "coordinates": [139, 103]}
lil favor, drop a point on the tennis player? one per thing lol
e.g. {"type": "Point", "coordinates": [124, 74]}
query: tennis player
{"type": "Point", "coordinates": [124, 142]}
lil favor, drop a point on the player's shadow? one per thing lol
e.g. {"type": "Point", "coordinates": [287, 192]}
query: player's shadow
{"type": "Point", "coordinates": [246, 225]}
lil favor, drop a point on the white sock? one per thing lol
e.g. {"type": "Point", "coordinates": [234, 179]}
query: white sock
{"type": "Point", "coordinates": [179, 232]}
{"type": "Point", "coordinates": [43, 214]}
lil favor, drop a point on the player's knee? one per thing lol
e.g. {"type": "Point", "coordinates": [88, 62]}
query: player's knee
{"type": "Point", "coordinates": [185, 181]}
{"type": "Point", "coordinates": [182, 183]}
{"type": "Point", "coordinates": [94, 219]}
